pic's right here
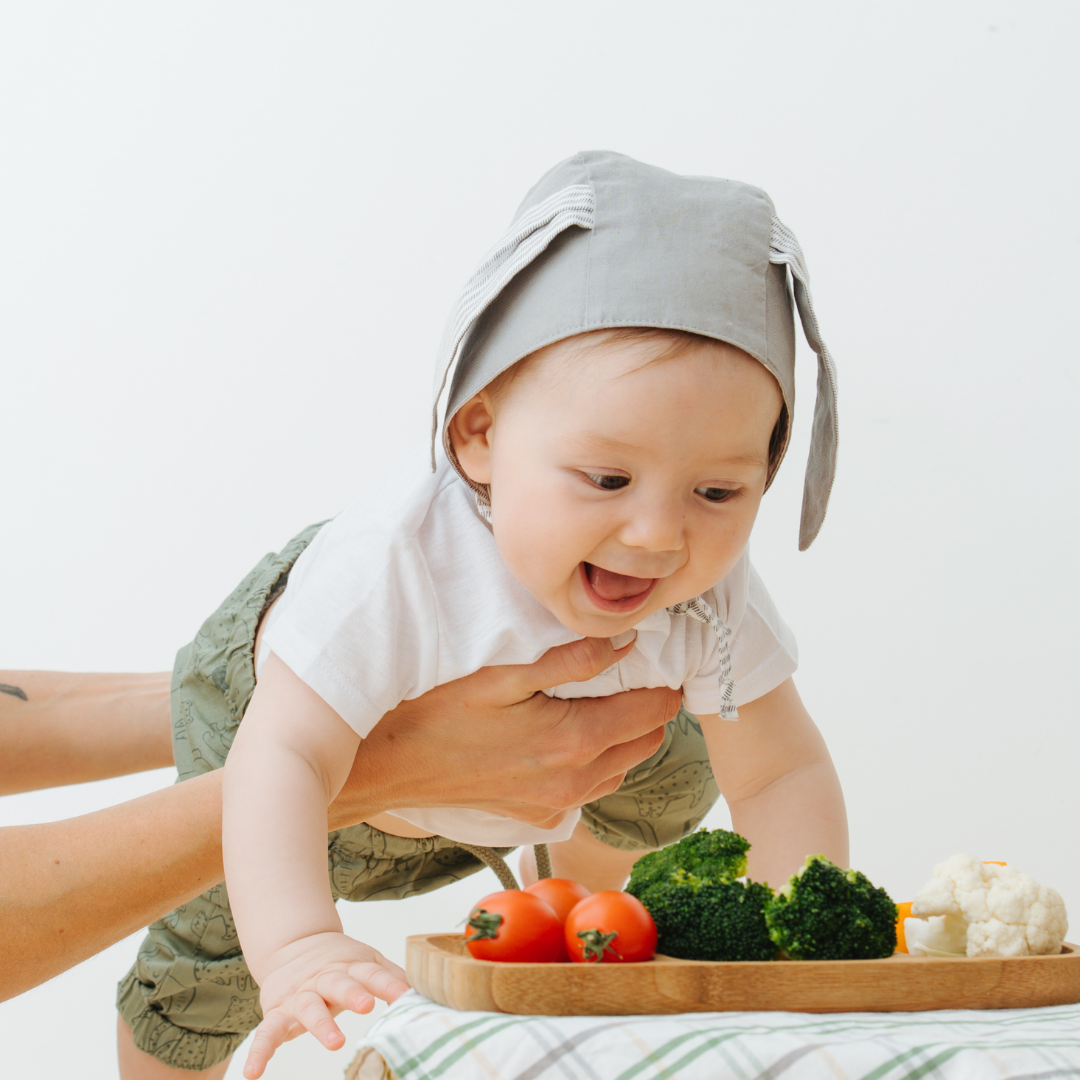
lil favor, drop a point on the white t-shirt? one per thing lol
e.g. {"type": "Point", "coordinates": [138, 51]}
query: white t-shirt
{"type": "Point", "coordinates": [406, 590]}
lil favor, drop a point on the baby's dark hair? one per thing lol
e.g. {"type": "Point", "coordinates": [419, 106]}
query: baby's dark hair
{"type": "Point", "coordinates": [669, 345]}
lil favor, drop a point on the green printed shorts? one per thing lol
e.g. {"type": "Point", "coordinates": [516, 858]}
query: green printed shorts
{"type": "Point", "coordinates": [189, 998]}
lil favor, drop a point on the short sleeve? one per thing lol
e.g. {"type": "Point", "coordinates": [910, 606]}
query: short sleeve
{"type": "Point", "coordinates": [362, 632]}
{"type": "Point", "coordinates": [764, 652]}
{"type": "Point", "coordinates": [701, 690]}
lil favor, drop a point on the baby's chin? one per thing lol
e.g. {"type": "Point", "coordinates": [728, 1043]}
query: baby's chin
{"type": "Point", "coordinates": [578, 617]}
{"type": "Point", "coordinates": [606, 628]}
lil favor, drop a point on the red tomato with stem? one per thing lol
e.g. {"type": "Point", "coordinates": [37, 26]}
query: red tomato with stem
{"type": "Point", "coordinates": [610, 927]}
{"type": "Point", "coordinates": [514, 925]}
{"type": "Point", "coordinates": [560, 894]}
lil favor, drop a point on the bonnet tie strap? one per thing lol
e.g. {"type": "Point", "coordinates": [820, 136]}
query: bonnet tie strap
{"type": "Point", "coordinates": [784, 250]}
{"type": "Point", "coordinates": [703, 612]}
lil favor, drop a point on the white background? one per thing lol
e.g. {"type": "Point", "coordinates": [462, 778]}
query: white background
{"type": "Point", "coordinates": [230, 233]}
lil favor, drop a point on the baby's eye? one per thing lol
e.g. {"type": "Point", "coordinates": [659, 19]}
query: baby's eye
{"type": "Point", "coordinates": [608, 481]}
{"type": "Point", "coordinates": [715, 494]}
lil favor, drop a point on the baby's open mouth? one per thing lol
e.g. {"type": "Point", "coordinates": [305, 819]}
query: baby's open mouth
{"type": "Point", "coordinates": [615, 592]}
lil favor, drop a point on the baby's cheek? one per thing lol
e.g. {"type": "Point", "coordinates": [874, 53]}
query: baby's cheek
{"type": "Point", "coordinates": [711, 559]}
{"type": "Point", "coordinates": [538, 555]}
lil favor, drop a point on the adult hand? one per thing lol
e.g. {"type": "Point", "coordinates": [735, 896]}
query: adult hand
{"type": "Point", "coordinates": [494, 742]}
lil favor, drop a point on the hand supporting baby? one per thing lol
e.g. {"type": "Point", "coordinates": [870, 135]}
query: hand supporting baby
{"type": "Point", "coordinates": [492, 741]}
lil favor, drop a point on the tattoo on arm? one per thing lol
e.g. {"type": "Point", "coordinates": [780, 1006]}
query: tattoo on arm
{"type": "Point", "coordinates": [14, 691]}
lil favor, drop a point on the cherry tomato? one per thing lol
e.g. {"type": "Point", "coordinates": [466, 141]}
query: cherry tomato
{"type": "Point", "coordinates": [514, 925]}
{"type": "Point", "coordinates": [610, 927]}
{"type": "Point", "coordinates": [560, 894]}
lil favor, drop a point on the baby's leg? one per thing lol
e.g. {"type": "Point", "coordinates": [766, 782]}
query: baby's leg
{"type": "Point", "coordinates": [189, 1001]}
{"type": "Point", "coordinates": [585, 859]}
{"type": "Point", "coordinates": [135, 1065]}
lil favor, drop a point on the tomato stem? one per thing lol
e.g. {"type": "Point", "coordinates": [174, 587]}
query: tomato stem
{"type": "Point", "coordinates": [597, 943]}
{"type": "Point", "coordinates": [485, 923]}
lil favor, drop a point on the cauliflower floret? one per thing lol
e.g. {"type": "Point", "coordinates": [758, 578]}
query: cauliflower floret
{"type": "Point", "coordinates": [940, 935]}
{"type": "Point", "coordinates": [1006, 913]}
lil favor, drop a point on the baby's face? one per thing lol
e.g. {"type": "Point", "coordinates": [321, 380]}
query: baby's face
{"type": "Point", "coordinates": [620, 486]}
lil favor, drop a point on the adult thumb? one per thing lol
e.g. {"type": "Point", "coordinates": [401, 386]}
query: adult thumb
{"type": "Point", "coordinates": [576, 661]}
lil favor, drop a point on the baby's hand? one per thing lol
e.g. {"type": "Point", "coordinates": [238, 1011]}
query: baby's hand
{"type": "Point", "coordinates": [310, 982]}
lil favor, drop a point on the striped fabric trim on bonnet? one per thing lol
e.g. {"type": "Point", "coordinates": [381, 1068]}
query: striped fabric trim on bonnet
{"type": "Point", "coordinates": [524, 240]}
{"type": "Point", "coordinates": [707, 222]}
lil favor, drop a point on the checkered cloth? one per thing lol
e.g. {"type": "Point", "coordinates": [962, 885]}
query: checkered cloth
{"type": "Point", "coordinates": [419, 1040]}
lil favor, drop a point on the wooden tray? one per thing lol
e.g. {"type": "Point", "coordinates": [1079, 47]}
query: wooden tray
{"type": "Point", "coordinates": [440, 968]}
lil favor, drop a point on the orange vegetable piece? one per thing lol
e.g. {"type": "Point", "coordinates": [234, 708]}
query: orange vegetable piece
{"type": "Point", "coordinates": [903, 911]}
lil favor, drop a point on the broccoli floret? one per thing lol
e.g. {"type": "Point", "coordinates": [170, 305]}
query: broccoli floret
{"type": "Point", "coordinates": [710, 856]}
{"type": "Point", "coordinates": [701, 912]}
{"type": "Point", "coordinates": [710, 920]}
{"type": "Point", "coordinates": [825, 913]}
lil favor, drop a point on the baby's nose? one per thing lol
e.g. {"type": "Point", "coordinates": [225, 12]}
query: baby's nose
{"type": "Point", "coordinates": [657, 527]}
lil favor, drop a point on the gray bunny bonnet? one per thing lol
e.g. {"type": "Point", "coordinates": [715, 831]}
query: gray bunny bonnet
{"type": "Point", "coordinates": [605, 241]}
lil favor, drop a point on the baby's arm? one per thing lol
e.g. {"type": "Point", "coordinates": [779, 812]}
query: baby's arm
{"type": "Point", "coordinates": [291, 755]}
{"type": "Point", "coordinates": [774, 769]}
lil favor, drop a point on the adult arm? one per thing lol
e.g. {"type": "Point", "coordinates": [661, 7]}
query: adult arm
{"type": "Point", "coordinates": [774, 769]}
{"type": "Point", "coordinates": [69, 889]}
{"type": "Point", "coordinates": [541, 756]}
{"type": "Point", "coordinates": [62, 728]}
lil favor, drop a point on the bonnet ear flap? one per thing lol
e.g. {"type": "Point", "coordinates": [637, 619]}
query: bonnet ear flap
{"type": "Point", "coordinates": [821, 465]}
{"type": "Point", "coordinates": [528, 236]}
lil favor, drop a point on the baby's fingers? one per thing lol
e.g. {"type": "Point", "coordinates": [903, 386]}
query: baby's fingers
{"type": "Point", "coordinates": [309, 1008]}
{"type": "Point", "coordinates": [340, 990]}
{"type": "Point", "coordinates": [386, 980]}
{"type": "Point", "coordinates": [275, 1029]}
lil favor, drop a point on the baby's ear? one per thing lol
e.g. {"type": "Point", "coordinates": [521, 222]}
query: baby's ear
{"type": "Point", "coordinates": [470, 430]}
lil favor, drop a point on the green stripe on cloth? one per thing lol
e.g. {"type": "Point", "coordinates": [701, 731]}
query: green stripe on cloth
{"type": "Point", "coordinates": [932, 1064]}
{"type": "Point", "coordinates": [662, 1051]}
{"type": "Point", "coordinates": [455, 1035]}
{"type": "Point", "coordinates": [420, 1040]}
{"type": "Point", "coordinates": [888, 1066]}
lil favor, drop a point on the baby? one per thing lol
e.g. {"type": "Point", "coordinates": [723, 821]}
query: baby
{"type": "Point", "coordinates": [621, 383]}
